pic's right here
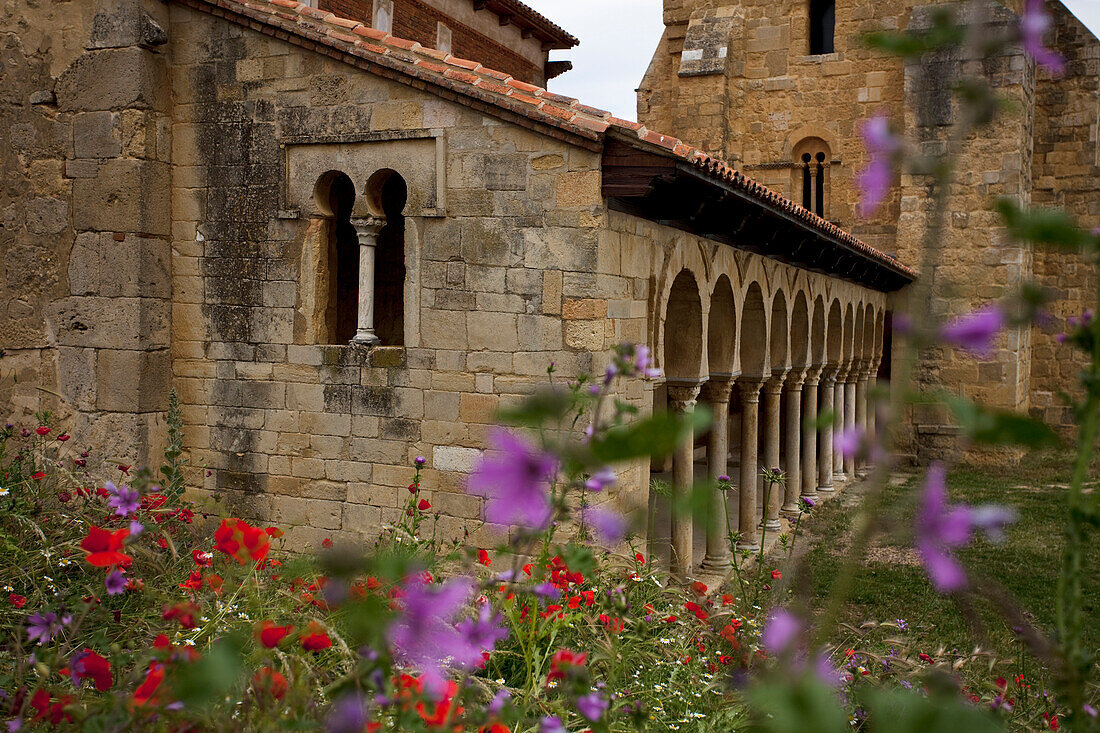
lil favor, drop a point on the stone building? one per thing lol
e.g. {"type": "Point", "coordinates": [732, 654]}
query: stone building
{"type": "Point", "coordinates": [780, 89]}
{"type": "Point", "coordinates": [345, 249]}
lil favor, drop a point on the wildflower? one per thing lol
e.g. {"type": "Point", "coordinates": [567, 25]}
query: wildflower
{"type": "Point", "coordinates": [267, 681]}
{"type": "Point", "coordinates": [124, 467]}
{"type": "Point", "coordinates": [875, 179]}
{"type": "Point", "coordinates": [116, 582]}
{"type": "Point", "coordinates": [514, 477]}
{"type": "Point", "coordinates": [565, 663]}
{"type": "Point", "coordinates": [903, 625]}
{"type": "Point", "coordinates": [193, 582]}
{"type": "Point", "coordinates": [202, 559]}
{"type": "Point", "coordinates": [42, 430]}
{"type": "Point", "coordinates": [136, 528]}
{"type": "Point", "coordinates": [124, 499]}
{"type": "Point", "coordinates": [88, 664]}
{"type": "Point", "coordinates": [1034, 22]}
{"type": "Point", "coordinates": [776, 575]}
{"type": "Point", "coordinates": [38, 475]}
{"type": "Point", "coordinates": [483, 633]}
{"type": "Point", "coordinates": [552, 724]}
{"type": "Point", "coordinates": [43, 627]}
{"type": "Point", "coordinates": [348, 715]}
{"type": "Point", "coordinates": [270, 635]}
{"type": "Point", "coordinates": [848, 441]}
{"type": "Point", "coordinates": [146, 692]}
{"type": "Point", "coordinates": [63, 437]}
{"type": "Point", "coordinates": [940, 527]}
{"type": "Point", "coordinates": [241, 541]}
{"type": "Point", "coordinates": [592, 706]}
{"type": "Point", "coordinates": [5, 492]}
{"type": "Point", "coordinates": [53, 712]}
{"type": "Point", "coordinates": [640, 558]}
{"type": "Point", "coordinates": [608, 523]}
{"type": "Point", "coordinates": [420, 460]}
{"type": "Point", "coordinates": [780, 630]}
{"type": "Point", "coordinates": [483, 558]}
{"type": "Point", "coordinates": [185, 613]}
{"type": "Point", "coordinates": [699, 589]}
{"type": "Point", "coordinates": [317, 639]}
{"type": "Point", "coordinates": [975, 331]}
{"type": "Point", "coordinates": [17, 600]}
{"type": "Point", "coordinates": [424, 505]}
{"type": "Point", "coordinates": [601, 479]}
{"type": "Point", "coordinates": [104, 548]}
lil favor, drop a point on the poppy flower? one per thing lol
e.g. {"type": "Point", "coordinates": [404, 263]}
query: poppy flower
{"type": "Point", "coordinates": [124, 468]}
{"type": "Point", "coordinates": [640, 558]}
{"type": "Point", "coordinates": [193, 582]}
{"type": "Point", "coordinates": [326, 543]}
{"type": "Point", "coordinates": [43, 430]}
{"type": "Point", "coordinates": [776, 575]}
{"type": "Point", "coordinates": [202, 559]}
{"type": "Point", "coordinates": [270, 635]}
{"type": "Point", "coordinates": [104, 548]}
{"type": "Point", "coordinates": [63, 437]}
{"type": "Point", "coordinates": [696, 609]}
{"type": "Point", "coordinates": [146, 693]}
{"type": "Point", "coordinates": [38, 475]}
{"type": "Point", "coordinates": [670, 619]}
{"type": "Point", "coordinates": [565, 662]}
{"type": "Point", "coordinates": [52, 712]}
{"type": "Point", "coordinates": [727, 600]}
{"type": "Point", "coordinates": [185, 613]}
{"type": "Point", "coordinates": [483, 558]}
{"type": "Point", "coordinates": [17, 600]}
{"type": "Point", "coordinates": [88, 664]}
{"type": "Point", "coordinates": [699, 589]}
{"type": "Point", "coordinates": [276, 533]}
{"type": "Point", "coordinates": [316, 639]}
{"type": "Point", "coordinates": [267, 681]}
{"type": "Point", "coordinates": [241, 541]}
{"type": "Point", "coordinates": [424, 505]}
{"type": "Point", "coordinates": [215, 582]}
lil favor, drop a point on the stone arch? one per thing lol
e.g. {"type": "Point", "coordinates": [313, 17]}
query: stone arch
{"type": "Point", "coordinates": [800, 331]}
{"type": "Point", "coordinates": [683, 330]}
{"type": "Point", "coordinates": [387, 193]}
{"type": "Point", "coordinates": [722, 329]}
{"type": "Point", "coordinates": [327, 297]}
{"type": "Point", "coordinates": [817, 333]}
{"type": "Point", "coordinates": [849, 334]}
{"type": "Point", "coordinates": [834, 335]}
{"type": "Point", "coordinates": [754, 333]}
{"type": "Point", "coordinates": [779, 333]}
{"type": "Point", "coordinates": [869, 347]}
{"type": "Point", "coordinates": [681, 256]}
{"type": "Point", "coordinates": [858, 351]}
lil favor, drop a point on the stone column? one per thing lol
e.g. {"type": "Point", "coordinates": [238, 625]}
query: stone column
{"type": "Point", "coordinates": [861, 404]}
{"type": "Point", "coordinates": [716, 393]}
{"type": "Point", "coordinates": [827, 392]}
{"type": "Point", "coordinates": [367, 230]}
{"type": "Point", "coordinates": [746, 499]}
{"type": "Point", "coordinates": [681, 398]}
{"type": "Point", "coordinates": [872, 390]}
{"type": "Point", "coordinates": [773, 392]}
{"type": "Point", "coordinates": [794, 442]}
{"type": "Point", "coordinates": [850, 416]}
{"type": "Point", "coordinates": [809, 432]}
{"type": "Point", "coordinates": [838, 421]}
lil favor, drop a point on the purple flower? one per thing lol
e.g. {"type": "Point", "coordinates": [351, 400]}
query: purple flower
{"type": "Point", "coordinates": [875, 180]}
{"type": "Point", "coordinates": [903, 625]}
{"type": "Point", "coordinates": [780, 630]}
{"type": "Point", "coordinates": [611, 372]}
{"type": "Point", "coordinates": [496, 705]}
{"type": "Point", "coordinates": [826, 672]}
{"type": "Point", "coordinates": [484, 632]}
{"type": "Point", "coordinates": [124, 499]}
{"type": "Point", "coordinates": [424, 635]}
{"type": "Point", "coordinates": [608, 523]}
{"type": "Point", "coordinates": [43, 627]}
{"type": "Point", "coordinates": [348, 715]}
{"type": "Point", "coordinates": [17, 724]}
{"type": "Point", "coordinates": [116, 582]}
{"type": "Point", "coordinates": [552, 724]}
{"type": "Point", "coordinates": [591, 706]}
{"type": "Point", "coordinates": [975, 331]}
{"type": "Point", "coordinates": [547, 591]}
{"type": "Point", "coordinates": [1033, 24]}
{"type": "Point", "coordinates": [940, 527]}
{"type": "Point", "coordinates": [514, 476]}
{"type": "Point", "coordinates": [848, 441]}
{"type": "Point", "coordinates": [809, 502]}
{"type": "Point", "coordinates": [420, 460]}
{"type": "Point", "coordinates": [601, 479]}
{"type": "Point", "coordinates": [136, 527]}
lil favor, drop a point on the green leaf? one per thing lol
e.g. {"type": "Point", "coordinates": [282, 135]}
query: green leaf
{"type": "Point", "coordinates": [545, 405]}
{"type": "Point", "coordinates": [196, 685]}
{"type": "Point", "coordinates": [1045, 226]}
{"type": "Point", "coordinates": [897, 711]}
{"type": "Point", "coordinates": [656, 435]}
{"type": "Point", "coordinates": [1000, 427]}
{"type": "Point", "coordinates": [943, 33]}
{"type": "Point", "coordinates": [795, 706]}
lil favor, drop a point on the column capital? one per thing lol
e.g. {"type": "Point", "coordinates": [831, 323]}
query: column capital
{"type": "Point", "coordinates": [829, 374]}
{"type": "Point", "coordinates": [796, 377]}
{"type": "Point", "coordinates": [367, 229]}
{"type": "Point", "coordinates": [717, 389]}
{"type": "Point", "coordinates": [750, 389]}
{"type": "Point", "coordinates": [683, 393]}
{"type": "Point", "coordinates": [813, 375]}
{"type": "Point", "coordinates": [774, 385]}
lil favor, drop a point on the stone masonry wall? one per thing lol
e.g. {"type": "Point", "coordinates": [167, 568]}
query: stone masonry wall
{"type": "Point", "coordinates": [322, 437]}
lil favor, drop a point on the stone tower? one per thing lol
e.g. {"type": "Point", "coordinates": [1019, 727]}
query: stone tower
{"type": "Point", "coordinates": [780, 90]}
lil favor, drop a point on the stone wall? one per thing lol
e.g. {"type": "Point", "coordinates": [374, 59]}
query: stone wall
{"type": "Point", "coordinates": [86, 221]}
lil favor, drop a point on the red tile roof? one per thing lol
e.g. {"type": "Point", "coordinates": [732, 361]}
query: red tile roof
{"type": "Point", "coordinates": [496, 91]}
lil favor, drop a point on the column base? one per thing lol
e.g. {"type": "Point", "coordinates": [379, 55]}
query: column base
{"type": "Point", "coordinates": [746, 547]}
{"type": "Point", "coordinates": [790, 511]}
{"type": "Point", "coordinates": [716, 564]}
{"type": "Point", "coordinates": [825, 489]}
{"type": "Point", "coordinates": [366, 338]}
{"type": "Point", "coordinates": [840, 478]}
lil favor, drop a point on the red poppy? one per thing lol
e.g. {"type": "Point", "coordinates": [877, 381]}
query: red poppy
{"type": "Point", "coordinates": [435, 714]}
{"type": "Point", "coordinates": [146, 693]}
{"type": "Point", "coordinates": [640, 558]}
{"type": "Point", "coordinates": [241, 541]}
{"type": "Point", "coordinates": [215, 582]}
{"type": "Point", "coordinates": [202, 559]}
{"type": "Point", "coordinates": [483, 558]}
{"type": "Point", "coordinates": [63, 437]}
{"type": "Point", "coordinates": [613, 624]}
{"type": "Point", "coordinates": [185, 613]}
{"type": "Point", "coordinates": [551, 610]}
{"type": "Point", "coordinates": [162, 642]}
{"type": "Point", "coordinates": [271, 635]}
{"type": "Point", "coordinates": [326, 543]}
{"type": "Point", "coordinates": [316, 639]}
{"type": "Point", "coordinates": [124, 468]}
{"type": "Point", "coordinates": [565, 662]}
{"type": "Point", "coordinates": [17, 600]}
{"type": "Point", "coordinates": [527, 568]}
{"type": "Point", "coordinates": [269, 682]}
{"type": "Point", "coordinates": [373, 583]}
{"type": "Point", "coordinates": [185, 515]}
{"type": "Point", "coordinates": [38, 475]}
{"type": "Point", "coordinates": [925, 658]}
{"type": "Point", "coordinates": [43, 430]}
{"type": "Point", "coordinates": [276, 533]}
{"type": "Point", "coordinates": [776, 575]}
{"type": "Point", "coordinates": [696, 609]}
{"type": "Point", "coordinates": [424, 505]}
{"type": "Point", "coordinates": [104, 548]}
{"type": "Point", "coordinates": [699, 589]}
{"type": "Point", "coordinates": [727, 600]}
{"type": "Point", "coordinates": [52, 712]}
{"type": "Point", "coordinates": [91, 665]}
{"type": "Point", "coordinates": [670, 620]}
{"type": "Point", "coordinates": [193, 582]}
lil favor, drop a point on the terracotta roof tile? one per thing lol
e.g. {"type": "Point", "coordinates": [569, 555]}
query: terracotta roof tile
{"type": "Point", "coordinates": [471, 79]}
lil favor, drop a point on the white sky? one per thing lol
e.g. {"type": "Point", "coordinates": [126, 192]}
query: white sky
{"type": "Point", "coordinates": [618, 38]}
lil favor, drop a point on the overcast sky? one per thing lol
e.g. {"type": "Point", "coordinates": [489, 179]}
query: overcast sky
{"type": "Point", "coordinates": [618, 38]}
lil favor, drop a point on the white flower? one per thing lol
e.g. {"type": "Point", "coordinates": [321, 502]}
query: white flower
{"type": "Point", "coordinates": [4, 492]}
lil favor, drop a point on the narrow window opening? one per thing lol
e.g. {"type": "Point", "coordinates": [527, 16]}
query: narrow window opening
{"type": "Point", "coordinates": [822, 26]}
{"type": "Point", "coordinates": [807, 185]}
{"type": "Point", "coordinates": [819, 203]}
{"type": "Point", "coordinates": [443, 38]}
{"type": "Point", "coordinates": [383, 15]}
{"type": "Point", "coordinates": [389, 276]}
{"type": "Point", "coordinates": [810, 175]}
{"type": "Point", "coordinates": [343, 301]}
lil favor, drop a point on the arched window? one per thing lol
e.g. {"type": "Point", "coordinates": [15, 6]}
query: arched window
{"type": "Point", "coordinates": [389, 274]}
{"type": "Point", "coordinates": [336, 302]}
{"type": "Point", "coordinates": [383, 15]}
{"type": "Point", "coordinates": [810, 182]}
{"type": "Point", "coordinates": [822, 26]}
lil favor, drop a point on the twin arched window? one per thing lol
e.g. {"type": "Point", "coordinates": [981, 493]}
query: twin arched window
{"type": "Point", "coordinates": [810, 184]}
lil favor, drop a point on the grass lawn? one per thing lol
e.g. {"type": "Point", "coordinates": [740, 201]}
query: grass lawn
{"type": "Point", "coordinates": [892, 583]}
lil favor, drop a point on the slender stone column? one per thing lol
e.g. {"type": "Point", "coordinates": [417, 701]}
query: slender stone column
{"type": "Point", "coordinates": [793, 428]}
{"type": "Point", "coordinates": [367, 230]}
{"type": "Point", "coordinates": [809, 432]}
{"type": "Point", "coordinates": [716, 393]}
{"type": "Point", "coordinates": [838, 421]}
{"type": "Point", "coordinates": [773, 393]}
{"type": "Point", "coordinates": [861, 405]}
{"type": "Point", "coordinates": [872, 390]}
{"type": "Point", "coordinates": [827, 392]}
{"type": "Point", "coordinates": [746, 499]}
{"type": "Point", "coordinates": [850, 417]}
{"type": "Point", "coordinates": [681, 398]}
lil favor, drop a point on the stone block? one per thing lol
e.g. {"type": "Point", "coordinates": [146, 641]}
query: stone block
{"type": "Point", "coordinates": [585, 335]}
{"type": "Point", "coordinates": [443, 329]}
{"type": "Point", "coordinates": [127, 196]}
{"type": "Point", "coordinates": [96, 135]}
{"type": "Point", "coordinates": [454, 458]}
{"type": "Point", "coordinates": [114, 79]}
{"type": "Point", "coordinates": [584, 309]}
{"type": "Point", "coordinates": [112, 323]}
{"type": "Point", "coordinates": [478, 408]}
{"type": "Point", "coordinates": [492, 331]}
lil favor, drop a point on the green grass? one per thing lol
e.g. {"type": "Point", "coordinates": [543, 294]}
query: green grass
{"type": "Point", "coordinates": [892, 585]}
